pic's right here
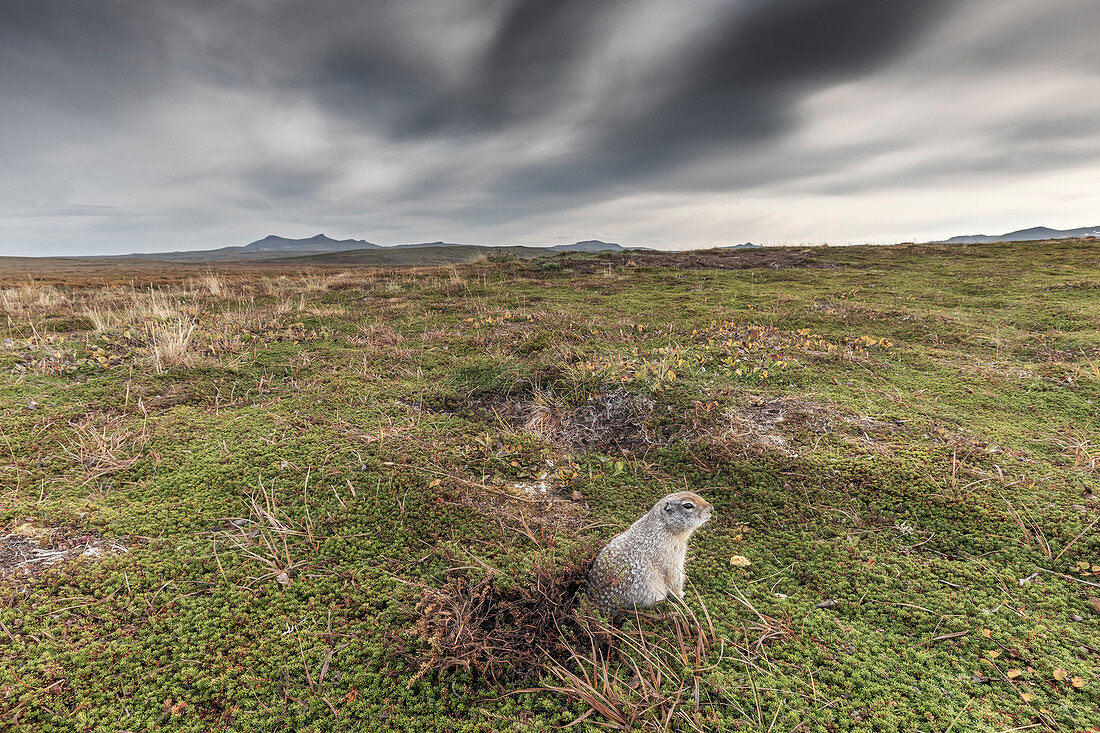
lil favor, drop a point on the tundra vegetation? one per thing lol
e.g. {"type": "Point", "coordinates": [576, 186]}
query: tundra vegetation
{"type": "Point", "coordinates": [351, 499]}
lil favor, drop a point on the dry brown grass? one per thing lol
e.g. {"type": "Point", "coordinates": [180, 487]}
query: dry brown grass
{"type": "Point", "coordinates": [102, 320]}
{"type": "Point", "coordinates": [216, 285]}
{"type": "Point", "coordinates": [648, 674]}
{"type": "Point", "coordinates": [170, 344]}
{"type": "Point", "coordinates": [376, 338]}
{"type": "Point", "coordinates": [103, 444]}
{"type": "Point", "coordinates": [30, 300]}
{"type": "Point", "coordinates": [500, 629]}
{"type": "Point", "coordinates": [279, 545]}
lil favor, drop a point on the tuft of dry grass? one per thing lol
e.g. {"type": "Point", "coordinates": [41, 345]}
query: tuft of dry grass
{"type": "Point", "coordinates": [155, 305]}
{"type": "Point", "coordinates": [1084, 452]}
{"type": "Point", "coordinates": [170, 343]}
{"type": "Point", "coordinates": [376, 338]}
{"type": "Point", "coordinates": [500, 629]}
{"type": "Point", "coordinates": [102, 320]}
{"type": "Point", "coordinates": [271, 538]}
{"type": "Point", "coordinates": [648, 675]}
{"type": "Point", "coordinates": [31, 300]}
{"type": "Point", "coordinates": [103, 445]}
{"type": "Point", "coordinates": [215, 284]}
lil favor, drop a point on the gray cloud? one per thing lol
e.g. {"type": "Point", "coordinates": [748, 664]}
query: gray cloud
{"type": "Point", "coordinates": [739, 89]}
{"type": "Point", "coordinates": [156, 124]}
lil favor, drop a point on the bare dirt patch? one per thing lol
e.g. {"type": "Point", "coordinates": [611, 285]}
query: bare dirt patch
{"type": "Point", "coordinates": [614, 420]}
{"type": "Point", "coordinates": [536, 510]}
{"type": "Point", "coordinates": [787, 424]}
{"type": "Point", "coordinates": [26, 549]}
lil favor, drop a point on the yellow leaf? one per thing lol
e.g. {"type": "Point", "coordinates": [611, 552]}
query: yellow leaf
{"type": "Point", "coordinates": [435, 482]}
{"type": "Point", "coordinates": [1077, 682]}
{"type": "Point", "coordinates": [993, 654]}
{"type": "Point", "coordinates": [1060, 674]}
{"type": "Point", "coordinates": [1027, 696]}
{"type": "Point", "coordinates": [740, 561]}
{"type": "Point", "coordinates": [1013, 673]}
{"type": "Point", "coordinates": [987, 633]}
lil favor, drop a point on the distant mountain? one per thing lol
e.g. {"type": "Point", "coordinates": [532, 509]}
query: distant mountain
{"type": "Point", "coordinates": [326, 248]}
{"type": "Point", "coordinates": [268, 247]}
{"type": "Point", "coordinates": [743, 245]}
{"type": "Point", "coordinates": [588, 245]}
{"type": "Point", "coordinates": [316, 244]}
{"type": "Point", "coordinates": [1023, 235]}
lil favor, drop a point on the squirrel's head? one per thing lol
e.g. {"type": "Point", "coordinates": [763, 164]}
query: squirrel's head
{"type": "Point", "coordinates": [683, 511]}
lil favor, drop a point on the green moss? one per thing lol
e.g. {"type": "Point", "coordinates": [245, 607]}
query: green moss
{"type": "Point", "coordinates": [939, 490]}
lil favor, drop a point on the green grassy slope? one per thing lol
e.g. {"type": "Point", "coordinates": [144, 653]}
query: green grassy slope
{"type": "Point", "coordinates": [902, 441]}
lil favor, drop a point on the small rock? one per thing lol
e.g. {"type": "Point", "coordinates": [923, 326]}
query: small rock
{"type": "Point", "coordinates": [239, 522]}
{"type": "Point", "coordinates": [32, 405]}
{"type": "Point", "coordinates": [577, 495]}
{"type": "Point", "coordinates": [1078, 618]}
{"type": "Point", "coordinates": [826, 604]}
{"type": "Point", "coordinates": [283, 578]}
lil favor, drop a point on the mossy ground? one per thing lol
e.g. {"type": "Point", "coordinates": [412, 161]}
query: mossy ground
{"type": "Point", "coordinates": [908, 432]}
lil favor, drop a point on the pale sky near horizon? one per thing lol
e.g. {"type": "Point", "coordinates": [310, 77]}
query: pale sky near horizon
{"type": "Point", "coordinates": [151, 125]}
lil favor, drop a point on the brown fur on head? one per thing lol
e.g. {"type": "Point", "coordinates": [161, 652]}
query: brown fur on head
{"type": "Point", "coordinates": [683, 512]}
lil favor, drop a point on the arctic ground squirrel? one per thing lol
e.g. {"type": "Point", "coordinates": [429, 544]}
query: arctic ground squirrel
{"type": "Point", "coordinates": [645, 564]}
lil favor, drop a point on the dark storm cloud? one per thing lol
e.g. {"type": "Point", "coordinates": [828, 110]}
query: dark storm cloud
{"type": "Point", "coordinates": [530, 56]}
{"type": "Point", "coordinates": [538, 45]}
{"type": "Point", "coordinates": [484, 114]}
{"type": "Point", "coordinates": [740, 86]}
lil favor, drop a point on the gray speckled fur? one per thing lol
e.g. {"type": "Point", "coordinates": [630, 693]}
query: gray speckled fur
{"type": "Point", "coordinates": [645, 564]}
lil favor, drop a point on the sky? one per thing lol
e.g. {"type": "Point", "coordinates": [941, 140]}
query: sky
{"type": "Point", "coordinates": [153, 125]}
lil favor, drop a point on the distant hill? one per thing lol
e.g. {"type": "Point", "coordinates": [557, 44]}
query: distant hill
{"type": "Point", "coordinates": [588, 245]}
{"type": "Point", "coordinates": [319, 247]}
{"type": "Point", "coordinates": [1023, 235]}
{"type": "Point", "coordinates": [268, 247]}
{"type": "Point", "coordinates": [316, 243]}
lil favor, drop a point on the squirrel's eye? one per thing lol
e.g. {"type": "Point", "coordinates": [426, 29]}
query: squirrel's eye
{"type": "Point", "coordinates": [688, 505]}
